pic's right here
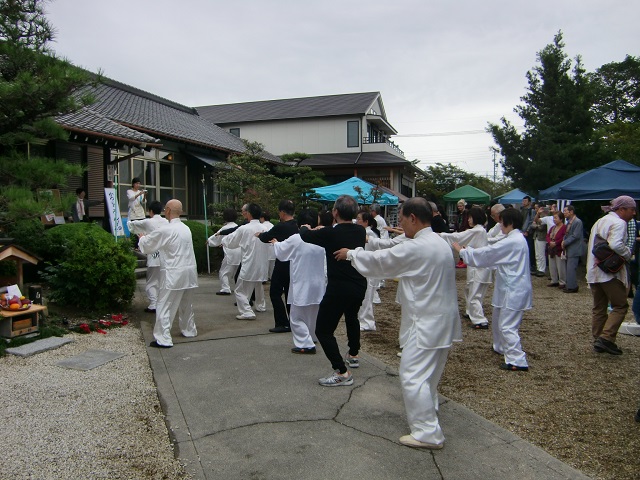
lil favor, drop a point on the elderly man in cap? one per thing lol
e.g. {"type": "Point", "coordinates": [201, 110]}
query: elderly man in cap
{"type": "Point", "coordinates": [610, 288]}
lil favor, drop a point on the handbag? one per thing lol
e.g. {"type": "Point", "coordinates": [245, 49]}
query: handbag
{"type": "Point", "coordinates": [607, 260]}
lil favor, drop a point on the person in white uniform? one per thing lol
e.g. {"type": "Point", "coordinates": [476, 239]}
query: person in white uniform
{"type": "Point", "coordinates": [512, 294]}
{"type": "Point", "coordinates": [430, 323]}
{"type": "Point", "coordinates": [179, 275]}
{"type": "Point", "coordinates": [478, 279]}
{"type": "Point", "coordinates": [365, 314]}
{"type": "Point", "coordinates": [136, 197]}
{"type": "Point", "coordinates": [232, 256]}
{"type": "Point", "coordinates": [154, 270]}
{"type": "Point", "coordinates": [381, 223]}
{"type": "Point", "coordinates": [307, 284]}
{"type": "Point", "coordinates": [253, 266]}
{"type": "Point", "coordinates": [495, 233]}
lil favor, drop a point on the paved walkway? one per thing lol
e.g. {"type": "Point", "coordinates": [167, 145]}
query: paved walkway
{"type": "Point", "coordinates": [239, 405]}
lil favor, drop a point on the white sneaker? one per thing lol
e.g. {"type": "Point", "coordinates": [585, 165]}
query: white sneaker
{"type": "Point", "coordinates": [336, 380]}
{"type": "Point", "coordinates": [261, 309]}
{"type": "Point", "coordinates": [246, 317]}
{"type": "Point", "coordinates": [409, 441]}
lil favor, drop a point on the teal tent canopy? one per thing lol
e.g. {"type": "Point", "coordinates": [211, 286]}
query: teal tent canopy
{"type": "Point", "coordinates": [469, 194]}
{"type": "Point", "coordinates": [331, 192]}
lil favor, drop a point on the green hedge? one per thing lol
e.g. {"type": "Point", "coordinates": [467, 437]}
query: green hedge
{"type": "Point", "coordinates": [87, 268]}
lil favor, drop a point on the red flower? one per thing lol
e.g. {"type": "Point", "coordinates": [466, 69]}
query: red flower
{"type": "Point", "coordinates": [84, 328]}
{"type": "Point", "coordinates": [99, 330]}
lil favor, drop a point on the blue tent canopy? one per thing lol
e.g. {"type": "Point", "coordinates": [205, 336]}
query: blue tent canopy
{"type": "Point", "coordinates": [603, 183]}
{"type": "Point", "coordinates": [332, 192]}
{"type": "Point", "coordinates": [513, 197]}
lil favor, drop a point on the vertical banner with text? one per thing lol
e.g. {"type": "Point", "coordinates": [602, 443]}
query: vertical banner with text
{"type": "Point", "coordinates": [115, 220]}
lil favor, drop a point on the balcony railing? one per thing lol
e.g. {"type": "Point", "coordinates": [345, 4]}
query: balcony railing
{"type": "Point", "coordinates": [371, 140]}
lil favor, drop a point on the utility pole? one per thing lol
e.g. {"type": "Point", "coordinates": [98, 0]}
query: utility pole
{"type": "Point", "coordinates": [495, 168]}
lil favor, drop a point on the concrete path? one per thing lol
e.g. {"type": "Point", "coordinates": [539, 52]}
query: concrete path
{"type": "Point", "coordinates": [240, 405]}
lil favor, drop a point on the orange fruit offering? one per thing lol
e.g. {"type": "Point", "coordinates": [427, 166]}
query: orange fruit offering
{"type": "Point", "coordinates": [14, 306]}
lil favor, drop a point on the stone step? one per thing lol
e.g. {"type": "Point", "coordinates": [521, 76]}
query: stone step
{"type": "Point", "coordinates": [141, 272]}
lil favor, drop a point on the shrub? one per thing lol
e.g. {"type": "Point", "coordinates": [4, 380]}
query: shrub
{"type": "Point", "coordinates": [199, 239]}
{"type": "Point", "coordinates": [29, 234]}
{"type": "Point", "coordinates": [88, 269]}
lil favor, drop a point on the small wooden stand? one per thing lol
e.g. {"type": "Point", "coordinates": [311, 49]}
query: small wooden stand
{"type": "Point", "coordinates": [20, 322]}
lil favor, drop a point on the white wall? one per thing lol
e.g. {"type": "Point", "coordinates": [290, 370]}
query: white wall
{"type": "Point", "coordinates": [312, 136]}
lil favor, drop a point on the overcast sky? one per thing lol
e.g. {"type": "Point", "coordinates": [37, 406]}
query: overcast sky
{"type": "Point", "coordinates": [444, 68]}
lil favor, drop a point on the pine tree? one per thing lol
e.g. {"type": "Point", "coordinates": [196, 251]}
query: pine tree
{"type": "Point", "coordinates": [558, 140]}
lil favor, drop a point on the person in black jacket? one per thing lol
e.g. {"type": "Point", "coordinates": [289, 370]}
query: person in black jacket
{"type": "Point", "coordinates": [280, 277]}
{"type": "Point", "coordinates": [345, 289]}
{"type": "Point", "coordinates": [438, 224]}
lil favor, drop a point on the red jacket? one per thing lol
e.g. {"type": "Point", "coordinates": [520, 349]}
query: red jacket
{"type": "Point", "coordinates": [559, 236]}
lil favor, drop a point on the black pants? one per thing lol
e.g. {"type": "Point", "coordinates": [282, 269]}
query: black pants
{"type": "Point", "coordinates": [280, 286]}
{"type": "Point", "coordinates": [332, 307]}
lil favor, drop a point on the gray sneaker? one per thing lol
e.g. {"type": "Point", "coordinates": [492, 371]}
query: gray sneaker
{"type": "Point", "coordinates": [336, 380]}
{"type": "Point", "coordinates": [352, 362]}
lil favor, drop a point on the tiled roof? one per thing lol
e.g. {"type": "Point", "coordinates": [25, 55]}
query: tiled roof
{"type": "Point", "coordinates": [364, 159]}
{"type": "Point", "coordinates": [158, 116]}
{"type": "Point", "coordinates": [86, 120]}
{"type": "Point", "coordinates": [309, 107]}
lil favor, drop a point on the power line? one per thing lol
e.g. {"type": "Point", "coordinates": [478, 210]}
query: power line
{"type": "Point", "coordinates": [441, 134]}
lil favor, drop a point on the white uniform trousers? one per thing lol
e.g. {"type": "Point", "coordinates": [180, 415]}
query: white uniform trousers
{"type": "Point", "coordinates": [420, 372]}
{"type": "Point", "coordinates": [243, 292]}
{"type": "Point", "coordinates": [558, 270]}
{"type": "Point", "coordinates": [474, 293]}
{"type": "Point", "coordinates": [303, 324]}
{"type": "Point", "coordinates": [506, 339]}
{"type": "Point", "coordinates": [226, 274]}
{"type": "Point", "coordinates": [541, 255]}
{"type": "Point", "coordinates": [152, 286]}
{"type": "Point", "coordinates": [365, 314]}
{"type": "Point", "coordinates": [169, 303]}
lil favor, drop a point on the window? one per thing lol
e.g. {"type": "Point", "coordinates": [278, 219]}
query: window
{"type": "Point", "coordinates": [235, 131]}
{"type": "Point", "coordinates": [353, 134]}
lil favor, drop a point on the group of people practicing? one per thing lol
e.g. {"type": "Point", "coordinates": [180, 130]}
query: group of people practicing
{"type": "Point", "coordinates": [329, 265]}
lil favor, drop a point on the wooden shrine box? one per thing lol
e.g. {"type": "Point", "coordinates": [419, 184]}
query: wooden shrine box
{"type": "Point", "coordinates": [20, 322]}
{"type": "Point", "coordinates": [19, 255]}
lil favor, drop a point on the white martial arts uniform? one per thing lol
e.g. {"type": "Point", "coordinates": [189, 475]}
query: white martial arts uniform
{"type": "Point", "coordinates": [512, 294]}
{"type": "Point", "coordinates": [306, 287]}
{"type": "Point", "coordinates": [231, 260]}
{"type": "Point", "coordinates": [153, 278]}
{"type": "Point", "coordinates": [179, 278]}
{"type": "Point", "coordinates": [429, 323]}
{"type": "Point", "coordinates": [267, 225]}
{"type": "Point", "coordinates": [254, 266]}
{"type": "Point", "coordinates": [495, 234]}
{"type": "Point", "coordinates": [384, 235]}
{"type": "Point", "coordinates": [478, 279]}
{"type": "Point", "coordinates": [365, 314]}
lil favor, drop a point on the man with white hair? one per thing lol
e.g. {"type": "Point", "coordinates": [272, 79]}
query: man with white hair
{"type": "Point", "coordinates": [609, 288]}
{"type": "Point", "coordinates": [495, 234]}
{"type": "Point", "coordinates": [179, 275]}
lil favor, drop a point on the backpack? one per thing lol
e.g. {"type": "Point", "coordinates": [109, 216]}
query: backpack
{"type": "Point", "coordinates": [607, 260]}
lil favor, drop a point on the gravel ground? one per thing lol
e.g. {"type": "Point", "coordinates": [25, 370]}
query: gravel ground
{"type": "Point", "coordinates": [104, 423]}
{"type": "Point", "coordinates": [575, 404]}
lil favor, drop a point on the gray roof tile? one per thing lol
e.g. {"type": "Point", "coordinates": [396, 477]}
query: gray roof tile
{"type": "Point", "coordinates": [157, 116]}
{"type": "Point", "coordinates": [308, 107]}
{"type": "Point", "coordinates": [88, 121]}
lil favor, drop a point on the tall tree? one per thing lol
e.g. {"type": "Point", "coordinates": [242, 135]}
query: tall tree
{"type": "Point", "coordinates": [558, 138]}
{"type": "Point", "coordinates": [35, 85]}
{"type": "Point", "coordinates": [444, 178]}
{"type": "Point", "coordinates": [617, 107]}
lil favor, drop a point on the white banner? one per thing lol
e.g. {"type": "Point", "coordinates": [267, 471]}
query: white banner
{"type": "Point", "coordinates": [114, 212]}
